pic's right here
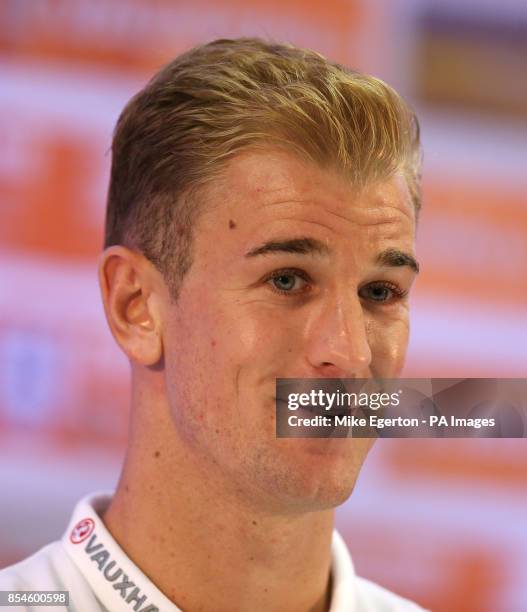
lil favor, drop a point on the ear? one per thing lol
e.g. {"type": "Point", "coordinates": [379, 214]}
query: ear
{"type": "Point", "coordinates": [132, 291]}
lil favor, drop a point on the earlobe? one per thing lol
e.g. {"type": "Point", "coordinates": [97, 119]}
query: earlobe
{"type": "Point", "coordinates": [128, 288]}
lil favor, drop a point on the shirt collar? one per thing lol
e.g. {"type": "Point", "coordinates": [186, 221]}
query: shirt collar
{"type": "Point", "coordinates": [122, 587]}
{"type": "Point", "coordinates": [343, 574]}
{"type": "Point", "coordinates": [116, 581]}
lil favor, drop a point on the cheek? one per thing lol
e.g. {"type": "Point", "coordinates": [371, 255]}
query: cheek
{"type": "Point", "coordinates": [210, 349]}
{"type": "Point", "coordinates": [191, 346]}
{"type": "Point", "coordinates": [389, 343]}
{"type": "Point", "coordinates": [199, 333]}
{"type": "Point", "coordinates": [266, 337]}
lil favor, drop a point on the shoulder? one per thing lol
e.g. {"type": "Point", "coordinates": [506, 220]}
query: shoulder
{"type": "Point", "coordinates": [352, 591]}
{"type": "Point", "coordinates": [41, 570]}
{"type": "Point", "coordinates": [373, 598]}
{"type": "Point", "coordinates": [50, 569]}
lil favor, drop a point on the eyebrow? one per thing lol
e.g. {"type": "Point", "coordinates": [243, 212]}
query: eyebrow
{"type": "Point", "coordinates": [302, 246]}
{"type": "Point", "coordinates": [397, 258]}
{"type": "Point", "coordinates": [309, 246]}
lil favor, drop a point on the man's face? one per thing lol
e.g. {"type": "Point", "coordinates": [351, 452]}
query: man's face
{"type": "Point", "coordinates": [295, 274]}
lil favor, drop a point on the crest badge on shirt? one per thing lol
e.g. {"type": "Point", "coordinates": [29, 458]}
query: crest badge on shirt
{"type": "Point", "coordinates": [82, 530]}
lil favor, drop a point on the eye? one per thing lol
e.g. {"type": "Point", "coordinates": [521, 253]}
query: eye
{"type": "Point", "coordinates": [382, 292]}
{"type": "Point", "coordinates": [288, 282]}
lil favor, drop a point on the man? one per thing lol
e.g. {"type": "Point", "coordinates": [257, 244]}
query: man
{"type": "Point", "coordinates": [260, 225]}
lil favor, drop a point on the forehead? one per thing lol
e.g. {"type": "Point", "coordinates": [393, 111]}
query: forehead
{"type": "Point", "coordinates": [265, 190]}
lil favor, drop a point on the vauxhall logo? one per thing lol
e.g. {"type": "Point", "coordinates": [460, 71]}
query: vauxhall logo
{"type": "Point", "coordinates": [127, 589]}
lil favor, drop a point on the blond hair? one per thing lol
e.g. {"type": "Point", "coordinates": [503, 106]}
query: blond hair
{"type": "Point", "coordinates": [226, 96]}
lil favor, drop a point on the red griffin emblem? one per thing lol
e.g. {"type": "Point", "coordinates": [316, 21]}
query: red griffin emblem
{"type": "Point", "coordinates": [82, 530]}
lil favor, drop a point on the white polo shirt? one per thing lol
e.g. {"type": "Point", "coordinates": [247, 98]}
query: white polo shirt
{"type": "Point", "coordinates": [99, 576]}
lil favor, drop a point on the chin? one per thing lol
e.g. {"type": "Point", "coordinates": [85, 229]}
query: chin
{"type": "Point", "coordinates": [319, 495]}
{"type": "Point", "coordinates": [315, 481]}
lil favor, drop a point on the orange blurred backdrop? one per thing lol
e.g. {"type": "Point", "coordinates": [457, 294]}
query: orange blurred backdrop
{"type": "Point", "coordinates": [440, 521]}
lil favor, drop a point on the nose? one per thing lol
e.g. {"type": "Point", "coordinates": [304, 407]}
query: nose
{"type": "Point", "coordinates": [338, 345]}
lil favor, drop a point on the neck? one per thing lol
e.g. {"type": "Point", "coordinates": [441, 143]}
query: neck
{"type": "Point", "coordinates": [205, 549]}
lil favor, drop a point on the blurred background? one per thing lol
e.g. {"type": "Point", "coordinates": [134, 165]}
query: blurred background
{"type": "Point", "coordinates": [441, 521]}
